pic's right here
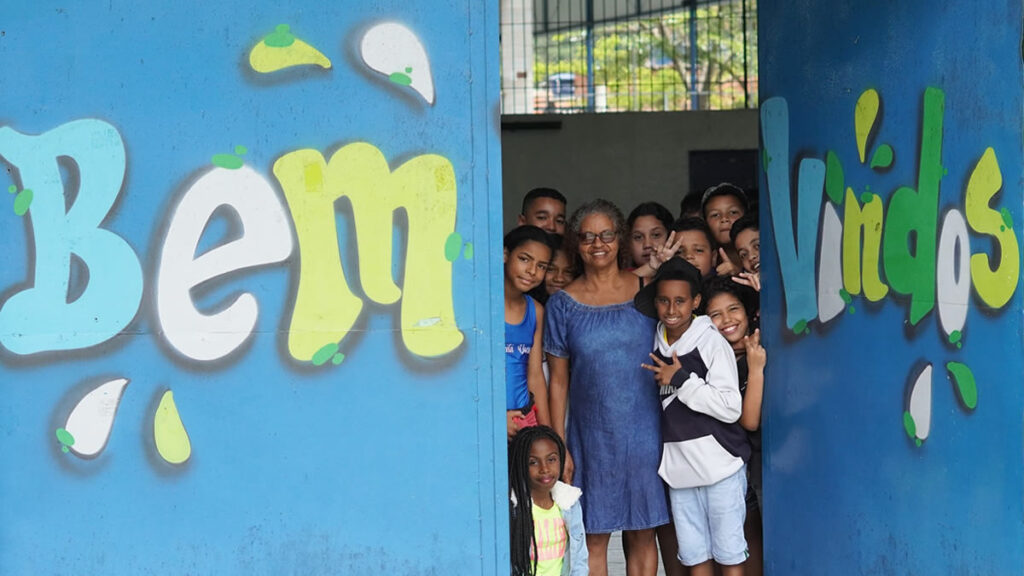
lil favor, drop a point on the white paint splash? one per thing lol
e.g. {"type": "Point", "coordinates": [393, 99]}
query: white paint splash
{"type": "Point", "coordinates": [921, 403]}
{"type": "Point", "coordinates": [396, 52]}
{"type": "Point", "coordinates": [92, 419]}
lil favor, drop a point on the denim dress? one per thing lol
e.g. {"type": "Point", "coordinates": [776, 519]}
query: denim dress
{"type": "Point", "coordinates": [614, 432]}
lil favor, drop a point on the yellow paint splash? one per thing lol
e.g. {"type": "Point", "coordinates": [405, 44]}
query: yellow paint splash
{"type": "Point", "coordinates": [864, 119]}
{"type": "Point", "coordinates": [171, 438]}
{"type": "Point", "coordinates": [281, 50]}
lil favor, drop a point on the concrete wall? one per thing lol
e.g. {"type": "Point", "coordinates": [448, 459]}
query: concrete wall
{"type": "Point", "coordinates": [892, 309]}
{"type": "Point", "coordinates": [248, 319]}
{"type": "Point", "coordinates": [627, 158]}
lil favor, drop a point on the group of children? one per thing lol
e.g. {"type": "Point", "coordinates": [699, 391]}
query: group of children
{"type": "Point", "coordinates": [706, 360]}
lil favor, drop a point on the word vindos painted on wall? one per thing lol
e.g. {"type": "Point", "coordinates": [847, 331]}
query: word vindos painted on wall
{"type": "Point", "coordinates": [41, 317]}
{"type": "Point", "coordinates": [877, 250]}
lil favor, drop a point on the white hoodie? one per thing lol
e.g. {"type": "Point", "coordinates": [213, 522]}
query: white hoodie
{"type": "Point", "coordinates": [702, 440]}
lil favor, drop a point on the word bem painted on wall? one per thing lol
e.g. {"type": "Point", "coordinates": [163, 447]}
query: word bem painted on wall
{"type": "Point", "coordinates": [50, 314]}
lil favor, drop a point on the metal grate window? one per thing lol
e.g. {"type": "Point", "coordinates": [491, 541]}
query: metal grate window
{"type": "Point", "coordinates": [567, 56]}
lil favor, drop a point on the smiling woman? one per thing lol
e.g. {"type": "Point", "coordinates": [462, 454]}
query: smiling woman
{"type": "Point", "coordinates": [613, 431]}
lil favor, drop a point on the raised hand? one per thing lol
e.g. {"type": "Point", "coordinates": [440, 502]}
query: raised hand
{"type": "Point", "coordinates": [663, 372]}
{"type": "Point", "coordinates": [752, 279]}
{"type": "Point", "coordinates": [756, 355]}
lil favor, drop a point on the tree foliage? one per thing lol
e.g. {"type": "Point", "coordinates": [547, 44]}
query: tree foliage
{"type": "Point", "coordinates": [644, 63]}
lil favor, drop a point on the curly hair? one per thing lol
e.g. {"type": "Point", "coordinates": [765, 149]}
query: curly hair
{"type": "Point", "coordinates": [598, 206]}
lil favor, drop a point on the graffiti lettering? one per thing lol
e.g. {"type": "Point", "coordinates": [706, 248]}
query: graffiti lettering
{"type": "Point", "coordinates": [42, 318]}
{"type": "Point", "coordinates": [266, 240]}
{"type": "Point", "coordinates": [325, 308]}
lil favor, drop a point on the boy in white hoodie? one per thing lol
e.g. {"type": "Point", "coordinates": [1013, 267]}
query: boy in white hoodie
{"type": "Point", "coordinates": [704, 449]}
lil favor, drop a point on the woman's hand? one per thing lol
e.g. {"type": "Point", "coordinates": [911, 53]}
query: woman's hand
{"type": "Point", "coordinates": [756, 355]}
{"type": "Point", "coordinates": [663, 372]}
{"type": "Point", "coordinates": [570, 468]}
{"type": "Point", "coordinates": [752, 279]}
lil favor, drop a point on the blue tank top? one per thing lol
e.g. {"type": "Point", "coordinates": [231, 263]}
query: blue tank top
{"type": "Point", "coordinates": [518, 342]}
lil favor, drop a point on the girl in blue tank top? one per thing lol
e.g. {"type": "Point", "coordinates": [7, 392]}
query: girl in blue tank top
{"type": "Point", "coordinates": [527, 254]}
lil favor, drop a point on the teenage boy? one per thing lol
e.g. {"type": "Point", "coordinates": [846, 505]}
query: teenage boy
{"type": "Point", "coordinates": [545, 209]}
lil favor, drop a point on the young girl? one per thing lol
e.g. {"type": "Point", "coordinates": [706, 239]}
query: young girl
{"type": "Point", "coordinates": [731, 308]}
{"type": "Point", "coordinates": [546, 520]}
{"type": "Point", "coordinates": [527, 256]}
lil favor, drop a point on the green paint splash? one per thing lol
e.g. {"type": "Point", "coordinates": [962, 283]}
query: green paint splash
{"type": "Point", "coordinates": [452, 246]}
{"type": "Point", "coordinates": [834, 180]}
{"type": "Point", "coordinates": [845, 295]}
{"type": "Point", "coordinates": [966, 387]}
{"type": "Point", "coordinates": [65, 438]}
{"type": "Point", "coordinates": [851, 310]}
{"type": "Point", "coordinates": [867, 197]}
{"type": "Point", "coordinates": [402, 78]}
{"type": "Point", "coordinates": [800, 327]}
{"type": "Point", "coordinates": [241, 150]}
{"type": "Point", "coordinates": [1007, 217]}
{"type": "Point", "coordinates": [325, 353]}
{"type": "Point", "coordinates": [467, 251]}
{"type": "Point", "coordinates": [281, 37]}
{"type": "Point", "coordinates": [955, 336]}
{"type": "Point", "coordinates": [229, 161]}
{"type": "Point", "coordinates": [337, 358]}
{"type": "Point", "coordinates": [12, 189]}
{"type": "Point", "coordinates": [882, 158]}
{"type": "Point", "coordinates": [22, 202]}
{"type": "Point", "coordinates": [909, 425]}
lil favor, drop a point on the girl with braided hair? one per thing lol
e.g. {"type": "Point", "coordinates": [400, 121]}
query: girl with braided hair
{"type": "Point", "coordinates": [546, 520]}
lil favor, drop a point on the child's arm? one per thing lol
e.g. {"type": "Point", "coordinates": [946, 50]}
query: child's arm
{"type": "Point", "coordinates": [535, 371]}
{"type": "Point", "coordinates": [756, 360]}
{"type": "Point", "coordinates": [558, 390]}
{"type": "Point", "coordinates": [718, 393]}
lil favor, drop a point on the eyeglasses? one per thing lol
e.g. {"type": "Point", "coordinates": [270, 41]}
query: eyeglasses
{"type": "Point", "coordinates": [608, 236]}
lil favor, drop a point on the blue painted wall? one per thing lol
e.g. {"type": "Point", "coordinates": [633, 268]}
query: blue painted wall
{"type": "Point", "coordinates": [866, 472]}
{"type": "Point", "coordinates": [333, 408]}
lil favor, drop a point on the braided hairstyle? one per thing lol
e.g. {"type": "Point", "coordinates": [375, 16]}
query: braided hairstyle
{"type": "Point", "coordinates": [521, 534]}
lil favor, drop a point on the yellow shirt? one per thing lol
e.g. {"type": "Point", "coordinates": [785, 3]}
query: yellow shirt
{"type": "Point", "coordinates": [552, 540]}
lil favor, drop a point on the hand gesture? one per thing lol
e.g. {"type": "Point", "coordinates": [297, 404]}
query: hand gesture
{"type": "Point", "coordinates": [726, 267]}
{"type": "Point", "coordinates": [666, 251]}
{"type": "Point", "coordinates": [756, 355]}
{"type": "Point", "coordinates": [752, 279]}
{"type": "Point", "coordinates": [663, 372]}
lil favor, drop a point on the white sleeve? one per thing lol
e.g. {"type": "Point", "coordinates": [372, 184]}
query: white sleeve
{"type": "Point", "coordinates": [718, 395]}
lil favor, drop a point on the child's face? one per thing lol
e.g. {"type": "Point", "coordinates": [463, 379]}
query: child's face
{"type": "Point", "coordinates": [730, 317]}
{"type": "Point", "coordinates": [545, 466]}
{"type": "Point", "coordinates": [675, 302]}
{"type": "Point", "coordinates": [720, 212]}
{"type": "Point", "coordinates": [560, 273]}
{"type": "Point", "coordinates": [748, 245]}
{"type": "Point", "coordinates": [647, 235]}
{"type": "Point", "coordinates": [526, 265]}
{"type": "Point", "coordinates": [696, 249]}
{"type": "Point", "coordinates": [545, 213]}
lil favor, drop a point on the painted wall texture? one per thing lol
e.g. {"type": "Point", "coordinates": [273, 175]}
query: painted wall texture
{"type": "Point", "coordinates": [892, 179]}
{"type": "Point", "coordinates": [248, 321]}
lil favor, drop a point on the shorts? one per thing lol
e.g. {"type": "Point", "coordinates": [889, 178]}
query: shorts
{"type": "Point", "coordinates": [709, 521]}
